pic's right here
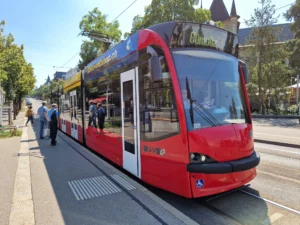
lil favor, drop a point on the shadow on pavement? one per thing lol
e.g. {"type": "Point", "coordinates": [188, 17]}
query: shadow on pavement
{"type": "Point", "coordinates": [233, 207]}
{"type": "Point", "coordinates": [62, 164]}
{"type": "Point", "coordinates": [51, 173]}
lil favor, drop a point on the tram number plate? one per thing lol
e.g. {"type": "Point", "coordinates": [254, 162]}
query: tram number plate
{"type": "Point", "coordinates": [157, 151]}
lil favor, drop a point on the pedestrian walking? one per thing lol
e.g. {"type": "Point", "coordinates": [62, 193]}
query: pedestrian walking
{"type": "Point", "coordinates": [53, 115]}
{"type": "Point", "coordinates": [29, 114]}
{"type": "Point", "coordinates": [42, 112]}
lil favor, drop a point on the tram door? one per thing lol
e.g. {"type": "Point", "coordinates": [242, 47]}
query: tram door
{"type": "Point", "coordinates": [73, 113]}
{"type": "Point", "coordinates": [130, 122]}
{"type": "Point", "coordinates": [63, 122]}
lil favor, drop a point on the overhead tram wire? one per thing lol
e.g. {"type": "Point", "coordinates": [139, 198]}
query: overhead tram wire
{"type": "Point", "coordinates": [123, 11]}
{"type": "Point", "coordinates": [70, 59]}
{"type": "Point", "coordinates": [111, 22]}
{"type": "Point", "coordinates": [37, 64]}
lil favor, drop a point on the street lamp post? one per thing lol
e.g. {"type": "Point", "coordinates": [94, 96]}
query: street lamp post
{"type": "Point", "coordinates": [297, 94]}
{"type": "Point", "coordinates": [297, 87]}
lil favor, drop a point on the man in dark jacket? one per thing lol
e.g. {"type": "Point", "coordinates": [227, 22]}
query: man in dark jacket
{"type": "Point", "coordinates": [53, 117]}
{"type": "Point", "coordinates": [101, 116]}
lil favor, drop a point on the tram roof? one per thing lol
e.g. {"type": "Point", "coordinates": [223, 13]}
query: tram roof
{"type": "Point", "coordinates": [130, 45]}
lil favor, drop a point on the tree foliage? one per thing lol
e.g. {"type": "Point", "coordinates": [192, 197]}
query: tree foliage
{"type": "Point", "coordinates": [160, 11]}
{"type": "Point", "coordinates": [266, 56]}
{"type": "Point", "coordinates": [16, 75]}
{"type": "Point", "coordinates": [95, 24]}
{"type": "Point", "coordinates": [89, 52]}
{"type": "Point", "coordinates": [293, 46]}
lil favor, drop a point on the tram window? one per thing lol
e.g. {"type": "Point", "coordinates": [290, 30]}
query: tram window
{"type": "Point", "coordinates": [106, 90]}
{"type": "Point", "coordinates": [107, 93]}
{"type": "Point", "coordinates": [158, 111]}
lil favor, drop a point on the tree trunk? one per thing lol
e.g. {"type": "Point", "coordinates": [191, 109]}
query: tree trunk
{"type": "Point", "coordinates": [15, 108]}
{"type": "Point", "coordinates": [259, 74]}
{"type": "Point", "coordinates": [20, 103]}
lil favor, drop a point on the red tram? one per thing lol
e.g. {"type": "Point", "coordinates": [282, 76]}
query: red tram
{"type": "Point", "coordinates": [176, 109]}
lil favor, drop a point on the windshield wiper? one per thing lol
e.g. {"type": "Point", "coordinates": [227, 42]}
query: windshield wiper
{"type": "Point", "coordinates": [217, 123]}
{"type": "Point", "coordinates": [189, 96]}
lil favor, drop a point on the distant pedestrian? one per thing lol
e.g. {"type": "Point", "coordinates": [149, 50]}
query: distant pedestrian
{"type": "Point", "coordinates": [42, 111]}
{"type": "Point", "coordinates": [53, 115]}
{"type": "Point", "coordinates": [92, 114]}
{"type": "Point", "coordinates": [101, 116]}
{"type": "Point", "coordinates": [29, 114]}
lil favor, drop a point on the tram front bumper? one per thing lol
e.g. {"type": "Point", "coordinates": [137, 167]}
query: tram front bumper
{"type": "Point", "coordinates": [225, 167]}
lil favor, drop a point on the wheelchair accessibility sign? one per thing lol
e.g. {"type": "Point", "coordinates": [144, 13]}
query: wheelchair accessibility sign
{"type": "Point", "coordinates": [200, 183]}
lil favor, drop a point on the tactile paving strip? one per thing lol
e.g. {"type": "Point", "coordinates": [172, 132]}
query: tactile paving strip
{"type": "Point", "coordinates": [92, 187]}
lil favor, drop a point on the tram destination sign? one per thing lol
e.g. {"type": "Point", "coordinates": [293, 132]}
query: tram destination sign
{"type": "Point", "coordinates": [193, 35]}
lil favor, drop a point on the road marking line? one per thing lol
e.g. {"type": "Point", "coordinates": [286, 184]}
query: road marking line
{"type": "Point", "coordinates": [280, 150]}
{"type": "Point", "coordinates": [275, 217]}
{"type": "Point", "coordinates": [278, 176]}
{"type": "Point", "coordinates": [274, 203]}
{"type": "Point", "coordinates": [275, 135]}
{"type": "Point", "coordinates": [22, 209]}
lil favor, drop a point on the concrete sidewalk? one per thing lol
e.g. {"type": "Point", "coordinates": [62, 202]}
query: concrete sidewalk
{"type": "Point", "coordinates": [67, 184]}
{"type": "Point", "coordinates": [277, 131]}
{"type": "Point", "coordinates": [9, 150]}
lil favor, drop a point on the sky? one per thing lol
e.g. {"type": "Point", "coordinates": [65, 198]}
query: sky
{"type": "Point", "coordinates": [49, 29]}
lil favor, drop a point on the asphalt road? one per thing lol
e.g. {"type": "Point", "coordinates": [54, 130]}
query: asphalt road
{"type": "Point", "coordinates": [269, 199]}
{"type": "Point", "coordinates": [277, 130]}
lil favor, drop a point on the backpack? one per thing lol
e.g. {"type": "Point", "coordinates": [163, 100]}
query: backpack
{"type": "Point", "coordinates": [101, 112]}
{"type": "Point", "coordinates": [54, 117]}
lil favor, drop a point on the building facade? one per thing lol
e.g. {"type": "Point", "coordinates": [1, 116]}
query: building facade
{"type": "Point", "coordinates": [219, 13]}
{"type": "Point", "coordinates": [231, 22]}
{"type": "Point", "coordinates": [59, 75]}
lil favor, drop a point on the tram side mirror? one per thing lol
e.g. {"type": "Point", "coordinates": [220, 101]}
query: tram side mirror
{"type": "Point", "coordinates": [155, 69]}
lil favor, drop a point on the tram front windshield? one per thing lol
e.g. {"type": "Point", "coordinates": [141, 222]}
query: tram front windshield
{"type": "Point", "coordinates": [211, 88]}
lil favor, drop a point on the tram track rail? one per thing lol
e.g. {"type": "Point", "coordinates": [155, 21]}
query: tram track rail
{"type": "Point", "coordinates": [241, 189]}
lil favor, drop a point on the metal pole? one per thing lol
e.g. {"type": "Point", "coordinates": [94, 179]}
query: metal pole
{"type": "Point", "coordinates": [297, 94]}
{"type": "Point", "coordinates": [1, 115]}
{"type": "Point", "coordinates": [297, 91]}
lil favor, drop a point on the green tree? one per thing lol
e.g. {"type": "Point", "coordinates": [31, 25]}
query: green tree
{"type": "Point", "coordinates": [17, 77]}
{"type": "Point", "coordinates": [261, 40]}
{"type": "Point", "coordinates": [25, 84]}
{"type": "Point", "coordinates": [138, 23]}
{"type": "Point", "coordinates": [2, 55]}
{"type": "Point", "coordinates": [201, 15]}
{"type": "Point", "coordinates": [160, 11]}
{"type": "Point", "coordinates": [89, 52]}
{"type": "Point", "coordinates": [293, 46]}
{"type": "Point", "coordinates": [95, 26]}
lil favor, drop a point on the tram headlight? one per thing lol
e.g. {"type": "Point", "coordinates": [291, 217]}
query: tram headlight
{"type": "Point", "coordinates": [195, 156]}
{"type": "Point", "coordinates": [200, 158]}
